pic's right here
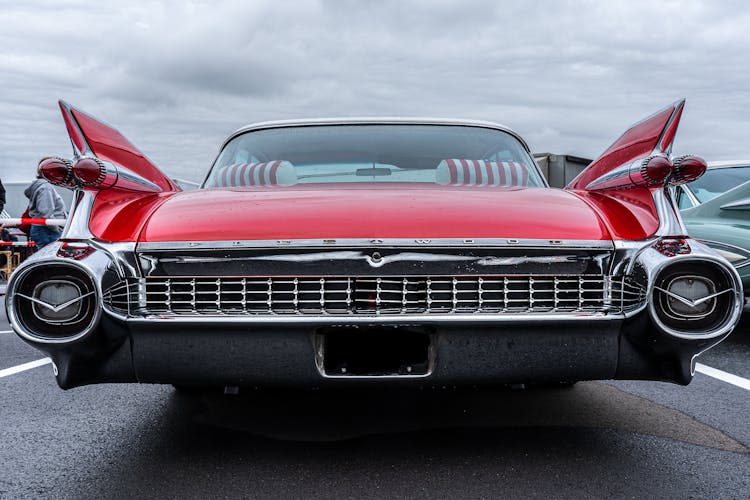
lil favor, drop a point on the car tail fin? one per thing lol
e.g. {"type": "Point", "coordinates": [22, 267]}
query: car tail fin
{"type": "Point", "coordinates": [92, 137]}
{"type": "Point", "coordinates": [652, 136]}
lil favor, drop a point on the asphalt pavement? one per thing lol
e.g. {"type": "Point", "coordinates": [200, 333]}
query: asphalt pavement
{"type": "Point", "coordinates": [596, 439]}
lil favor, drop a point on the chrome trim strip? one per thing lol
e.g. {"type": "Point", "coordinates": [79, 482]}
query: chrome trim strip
{"type": "Point", "coordinates": [634, 245]}
{"type": "Point", "coordinates": [119, 252]}
{"type": "Point", "coordinates": [77, 227]}
{"type": "Point", "coordinates": [378, 260]}
{"type": "Point", "coordinates": [406, 319]}
{"type": "Point", "coordinates": [125, 179]}
{"type": "Point", "coordinates": [370, 377]}
{"type": "Point", "coordinates": [743, 204]}
{"type": "Point", "coordinates": [634, 173]}
{"type": "Point", "coordinates": [614, 176]}
{"type": "Point", "coordinates": [378, 242]}
{"type": "Point", "coordinates": [626, 255]}
{"type": "Point", "coordinates": [68, 111]}
{"type": "Point", "coordinates": [670, 220]}
{"type": "Point", "coordinates": [717, 245]}
{"type": "Point", "coordinates": [677, 109]}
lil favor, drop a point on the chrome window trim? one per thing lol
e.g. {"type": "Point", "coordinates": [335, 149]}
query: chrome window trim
{"type": "Point", "coordinates": [694, 202]}
{"type": "Point", "coordinates": [385, 120]}
{"type": "Point", "coordinates": [378, 242]}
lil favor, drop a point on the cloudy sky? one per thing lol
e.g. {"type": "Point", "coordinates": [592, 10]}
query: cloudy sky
{"type": "Point", "coordinates": [177, 77]}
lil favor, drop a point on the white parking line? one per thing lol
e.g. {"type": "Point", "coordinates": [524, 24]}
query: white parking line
{"type": "Point", "coordinates": [6, 331]}
{"type": "Point", "coordinates": [22, 368]}
{"type": "Point", "coordinates": [723, 376]}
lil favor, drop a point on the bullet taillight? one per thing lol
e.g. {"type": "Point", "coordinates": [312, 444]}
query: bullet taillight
{"type": "Point", "coordinates": [57, 171]}
{"type": "Point", "coordinates": [654, 171]}
{"type": "Point", "coordinates": [89, 172]}
{"type": "Point", "coordinates": [687, 168]}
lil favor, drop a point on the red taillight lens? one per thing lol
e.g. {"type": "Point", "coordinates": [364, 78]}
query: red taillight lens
{"type": "Point", "coordinates": [56, 170]}
{"type": "Point", "coordinates": [656, 169]}
{"type": "Point", "coordinates": [74, 250]}
{"type": "Point", "coordinates": [687, 169]}
{"type": "Point", "coordinates": [670, 247]}
{"type": "Point", "coordinates": [89, 172]}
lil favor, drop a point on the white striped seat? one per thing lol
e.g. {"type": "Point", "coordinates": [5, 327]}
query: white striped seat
{"type": "Point", "coordinates": [267, 173]}
{"type": "Point", "coordinates": [462, 172]}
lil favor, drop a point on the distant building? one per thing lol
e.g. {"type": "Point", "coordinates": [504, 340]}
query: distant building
{"type": "Point", "coordinates": [560, 169]}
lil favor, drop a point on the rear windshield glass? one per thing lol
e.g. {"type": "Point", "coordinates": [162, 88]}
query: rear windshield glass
{"type": "Point", "coordinates": [435, 154]}
{"type": "Point", "coordinates": [719, 180]}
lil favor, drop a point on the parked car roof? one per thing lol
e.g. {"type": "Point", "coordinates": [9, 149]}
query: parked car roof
{"type": "Point", "coordinates": [728, 163]}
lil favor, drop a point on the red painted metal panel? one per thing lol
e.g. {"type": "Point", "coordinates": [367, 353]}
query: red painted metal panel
{"type": "Point", "coordinates": [654, 134]}
{"type": "Point", "coordinates": [108, 144]}
{"type": "Point", "coordinates": [629, 213]}
{"type": "Point", "coordinates": [86, 132]}
{"type": "Point", "coordinates": [119, 215]}
{"type": "Point", "coordinates": [76, 136]}
{"type": "Point", "coordinates": [372, 211]}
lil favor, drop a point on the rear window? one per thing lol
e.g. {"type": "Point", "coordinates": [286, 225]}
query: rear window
{"type": "Point", "coordinates": [442, 154]}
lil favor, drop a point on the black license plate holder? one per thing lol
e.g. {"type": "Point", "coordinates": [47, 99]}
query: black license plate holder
{"type": "Point", "coordinates": [390, 352]}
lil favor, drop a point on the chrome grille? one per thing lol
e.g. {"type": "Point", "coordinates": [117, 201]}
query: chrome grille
{"type": "Point", "coordinates": [373, 295]}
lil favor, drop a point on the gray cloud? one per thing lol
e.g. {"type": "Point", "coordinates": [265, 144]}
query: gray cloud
{"type": "Point", "coordinates": [177, 77]}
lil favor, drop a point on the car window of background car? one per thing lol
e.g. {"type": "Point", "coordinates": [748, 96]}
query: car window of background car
{"type": "Point", "coordinates": [372, 153]}
{"type": "Point", "coordinates": [719, 180]}
{"type": "Point", "coordinates": [683, 201]}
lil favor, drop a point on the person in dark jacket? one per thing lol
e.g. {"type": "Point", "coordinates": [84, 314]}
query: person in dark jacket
{"type": "Point", "coordinates": [2, 196]}
{"type": "Point", "coordinates": [4, 234]}
{"type": "Point", "coordinates": [44, 203]}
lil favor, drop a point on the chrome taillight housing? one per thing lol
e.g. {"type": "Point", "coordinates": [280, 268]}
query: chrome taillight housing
{"type": "Point", "coordinates": [92, 173]}
{"type": "Point", "coordinates": [693, 298]}
{"type": "Point", "coordinates": [55, 302]}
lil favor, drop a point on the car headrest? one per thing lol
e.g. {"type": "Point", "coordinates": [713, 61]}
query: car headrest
{"type": "Point", "coordinates": [267, 173]}
{"type": "Point", "coordinates": [458, 172]}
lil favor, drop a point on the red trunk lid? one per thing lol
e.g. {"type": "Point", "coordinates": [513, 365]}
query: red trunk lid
{"type": "Point", "coordinates": [373, 211]}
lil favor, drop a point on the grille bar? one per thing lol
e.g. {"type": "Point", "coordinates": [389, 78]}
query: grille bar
{"type": "Point", "coordinates": [349, 295]}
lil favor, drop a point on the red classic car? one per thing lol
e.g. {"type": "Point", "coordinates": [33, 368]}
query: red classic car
{"type": "Point", "coordinates": [389, 250]}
